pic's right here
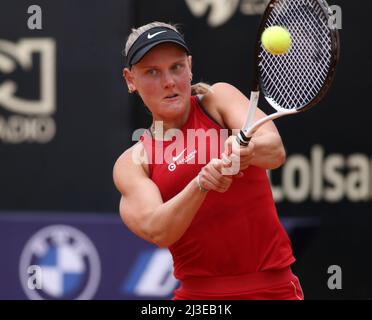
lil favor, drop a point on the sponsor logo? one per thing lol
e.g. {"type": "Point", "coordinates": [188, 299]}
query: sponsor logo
{"type": "Point", "coordinates": [150, 36]}
{"type": "Point", "coordinates": [63, 264]}
{"type": "Point", "coordinates": [177, 157]}
{"type": "Point", "coordinates": [27, 119]}
{"type": "Point", "coordinates": [220, 12]}
{"type": "Point", "coordinates": [323, 177]}
{"type": "Point", "coordinates": [151, 275]}
{"type": "Point", "coordinates": [172, 166]}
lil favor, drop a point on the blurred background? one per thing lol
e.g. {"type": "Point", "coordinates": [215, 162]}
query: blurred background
{"type": "Point", "coordinates": [65, 117]}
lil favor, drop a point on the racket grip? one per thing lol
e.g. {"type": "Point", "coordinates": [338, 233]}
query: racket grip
{"type": "Point", "coordinates": [242, 139]}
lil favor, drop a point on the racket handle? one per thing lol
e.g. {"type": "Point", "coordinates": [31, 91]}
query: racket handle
{"type": "Point", "coordinates": [242, 139]}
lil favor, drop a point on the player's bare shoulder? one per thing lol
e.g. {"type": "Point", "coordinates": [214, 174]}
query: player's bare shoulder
{"type": "Point", "coordinates": [213, 99]}
{"type": "Point", "coordinates": [131, 162]}
{"type": "Point", "coordinates": [219, 100]}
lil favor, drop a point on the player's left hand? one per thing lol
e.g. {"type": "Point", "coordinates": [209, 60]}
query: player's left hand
{"type": "Point", "coordinates": [236, 153]}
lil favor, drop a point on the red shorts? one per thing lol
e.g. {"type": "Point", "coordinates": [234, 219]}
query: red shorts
{"type": "Point", "coordinates": [266, 285]}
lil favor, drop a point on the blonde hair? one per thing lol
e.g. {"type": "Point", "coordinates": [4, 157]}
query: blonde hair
{"type": "Point", "coordinates": [137, 32]}
{"type": "Point", "coordinates": [200, 88]}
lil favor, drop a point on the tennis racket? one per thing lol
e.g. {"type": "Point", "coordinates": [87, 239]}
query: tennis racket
{"type": "Point", "coordinates": [298, 80]}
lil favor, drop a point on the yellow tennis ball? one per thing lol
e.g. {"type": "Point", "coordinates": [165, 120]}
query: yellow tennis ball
{"type": "Point", "coordinates": [276, 40]}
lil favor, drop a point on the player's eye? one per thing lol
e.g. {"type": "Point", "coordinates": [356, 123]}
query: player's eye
{"type": "Point", "coordinates": [177, 67]}
{"type": "Point", "coordinates": [152, 72]}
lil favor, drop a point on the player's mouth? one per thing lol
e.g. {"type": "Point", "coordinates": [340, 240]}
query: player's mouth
{"type": "Point", "coordinates": [171, 97]}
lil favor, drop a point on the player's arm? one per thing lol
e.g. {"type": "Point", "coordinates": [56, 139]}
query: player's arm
{"type": "Point", "coordinates": [266, 149]}
{"type": "Point", "coordinates": [142, 208]}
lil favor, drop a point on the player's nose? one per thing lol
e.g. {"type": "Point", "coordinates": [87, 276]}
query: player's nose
{"type": "Point", "coordinates": [168, 80]}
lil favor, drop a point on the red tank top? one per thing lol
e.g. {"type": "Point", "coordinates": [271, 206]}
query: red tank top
{"type": "Point", "coordinates": [233, 233]}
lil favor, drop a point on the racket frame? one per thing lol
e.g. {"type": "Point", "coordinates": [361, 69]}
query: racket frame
{"type": "Point", "coordinates": [245, 134]}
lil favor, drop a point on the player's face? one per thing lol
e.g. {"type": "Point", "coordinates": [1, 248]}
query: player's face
{"type": "Point", "coordinates": [162, 79]}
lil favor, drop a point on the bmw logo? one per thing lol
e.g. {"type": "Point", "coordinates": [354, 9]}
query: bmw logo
{"type": "Point", "coordinates": [66, 265]}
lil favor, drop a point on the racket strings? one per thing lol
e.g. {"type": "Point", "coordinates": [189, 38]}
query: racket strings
{"type": "Point", "coordinates": [304, 61]}
{"type": "Point", "coordinates": [294, 79]}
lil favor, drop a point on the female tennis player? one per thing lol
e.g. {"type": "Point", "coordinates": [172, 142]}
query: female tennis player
{"type": "Point", "coordinates": [222, 230]}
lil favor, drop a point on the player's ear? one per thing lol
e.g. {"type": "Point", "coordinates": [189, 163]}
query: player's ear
{"type": "Point", "coordinates": [129, 78]}
{"type": "Point", "coordinates": [189, 61]}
